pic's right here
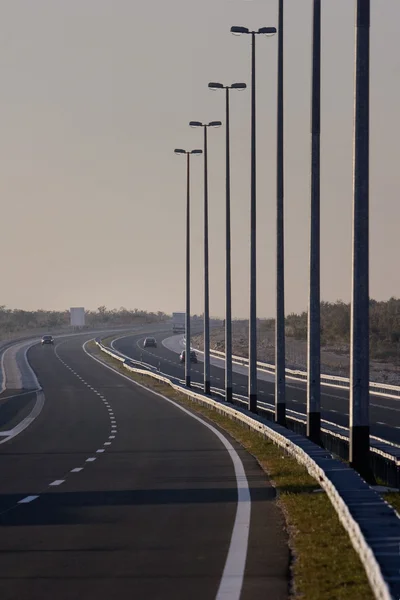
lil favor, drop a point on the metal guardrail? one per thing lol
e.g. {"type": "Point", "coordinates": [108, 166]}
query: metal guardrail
{"type": "Point", "coordinates": [385, 455]}
{"type": "Point", "coordinates": [372, 525]}
{"type": "Point", "coordinates": [378, 389]}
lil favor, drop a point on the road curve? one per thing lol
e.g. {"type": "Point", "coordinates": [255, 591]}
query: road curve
{"type": "Point", "coordinates": [114, 492]}
{"type": "Point", "coordinates": [384, 412]}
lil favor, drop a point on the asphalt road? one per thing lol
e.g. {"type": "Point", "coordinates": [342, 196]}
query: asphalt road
{"type": "Point", "coordinates": [384, 412]}
{"type": "Point", "coordinates": [113, 492]}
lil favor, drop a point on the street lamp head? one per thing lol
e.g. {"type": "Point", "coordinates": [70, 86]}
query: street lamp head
{"type": "Point", "coordinates": [195, 124]}
{"type": "Point", "coordinates": [267, 30]}
{"type": "Point", "coordinates": [196, 152]}
{"type": "Point", "coordinates": [179, 151]}
{"type": "Point", "coordinates": [215, 86]}
{"type": "Point", "coordinates": [238, 86]}
{"type": "Point", "coordinates": [214, 124]}
{"type": "Point", "coordinates": [239, 30]}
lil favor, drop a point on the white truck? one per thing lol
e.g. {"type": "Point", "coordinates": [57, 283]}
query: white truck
{"type": "Point", "coordinates": [178, 322]}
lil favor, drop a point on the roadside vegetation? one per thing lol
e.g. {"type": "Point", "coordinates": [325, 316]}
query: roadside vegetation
{"type": "Point", "coordinates": [335, 326]}
{"type": "Point", "coordinates": [324, 564]}
{"type": "Point", "coordinates": [14, 321]}
{"type": "Point", "coordinates": [335, 340]}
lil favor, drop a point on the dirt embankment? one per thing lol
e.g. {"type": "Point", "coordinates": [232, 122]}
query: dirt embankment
{"type": "Point", "coordinates": [334, 360]}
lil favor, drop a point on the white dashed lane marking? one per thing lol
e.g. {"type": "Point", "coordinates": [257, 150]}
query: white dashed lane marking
{"type": "Point", "coordinates": [58, 482]}
{"type": "Point", "coordinates": [28, 499]}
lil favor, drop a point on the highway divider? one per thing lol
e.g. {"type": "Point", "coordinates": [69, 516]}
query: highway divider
{"type": "Point", "coordinates": [385, 455]}
{"type": "Point", "coordinates": [376, 388]}
{"type": "Point", "coordinates": [372, 524]}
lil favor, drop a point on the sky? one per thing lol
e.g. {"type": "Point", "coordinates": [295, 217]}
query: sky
{"type": "Point", "coordinates": [95, 96]}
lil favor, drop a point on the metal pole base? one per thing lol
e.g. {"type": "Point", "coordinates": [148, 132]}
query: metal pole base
{"type": "Point", "coordinates": [207, 388]}
{"type": "Point", "coordinates": [253, 403]}
{"type": "Point", "coordinates": [229, 395]}
{"type": "Point", "coordinates": [314, 427]}
{"type": "Point", "coordinates": [359, 454]}
{"type": "Point", "coordinates": [187, 381]}
{"type": "Point", "coordinates": [280, 414]}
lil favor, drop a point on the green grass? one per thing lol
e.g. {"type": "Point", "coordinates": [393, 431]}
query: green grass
{"type": "Point", "coordinates": [325, 566]}
{"type": "Point", "coordinates": [394, 500]}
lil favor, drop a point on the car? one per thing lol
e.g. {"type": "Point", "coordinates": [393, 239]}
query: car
{"type": "Point", "coordinates": [47, 339]}
{"type": "Point", "coordinates": [193, 356]}
{"type": "Point", "coordinates": [150, 342]}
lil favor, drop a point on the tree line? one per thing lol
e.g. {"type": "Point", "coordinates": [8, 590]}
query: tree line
{"type": "Point", "coordinates": [384, 318]}
{"type": "Point", "coordinates": [16, 320]}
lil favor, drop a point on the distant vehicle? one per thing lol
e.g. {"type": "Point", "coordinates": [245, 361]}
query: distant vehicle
{"type": "Point", "coordinates": [150, 342]}
{"type": "Point", "coordinates": [47, 339]}
{"type": "Point", "coordinates": [193, 356]}
{"type": "Point", "coordinates": [178, 322]}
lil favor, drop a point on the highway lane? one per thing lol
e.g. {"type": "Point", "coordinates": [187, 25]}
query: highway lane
{"type": "Point", "coordinates": [384, 412]}
{"type": "Point", "coordinates": [125, 495]}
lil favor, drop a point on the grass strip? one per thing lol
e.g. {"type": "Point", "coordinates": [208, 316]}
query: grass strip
{"type": "Point", "coordinates": [325, 565]}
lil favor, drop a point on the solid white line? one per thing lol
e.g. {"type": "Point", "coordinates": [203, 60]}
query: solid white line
{"type": "Point", "coordinates": [17, 395]}
{"type": "Point", "coordinates": [77, 470]}
{"type": "Point", "coordinates": [3, 373]}
{"type": "Point", "coordinates": [233, 574]}
{"type": "Point", "coordinates": [57, 482]}
{"type": "Point", "coordinates": [35, 412]}
{"type": "Point", "coordinates": [27, 499]}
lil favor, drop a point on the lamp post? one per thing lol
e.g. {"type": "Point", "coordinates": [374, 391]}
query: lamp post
{"type": "Point", "coordinates": [187, 328]}
{"type": "Point", "coordinates": [207, 383]}
{"type": "Point", "coordinates": [359, 454]}
{"type": "Point", "coordinates": [314, 310]}
{"type": "Point", "coordinates": [228, 284]}
{"type": "Point", "coordinates": [253, 204]}
{"type": "Point", "coordinates": [280, 358]}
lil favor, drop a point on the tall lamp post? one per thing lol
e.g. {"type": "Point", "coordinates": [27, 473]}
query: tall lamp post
{"type": "Point", "coordinates": [280, 358]}
{"type": "Point", "coordinates": [314, 317]}
{"type": "Point", "coordinates": [207, 382]}
{"type": "Point", "coordinates": [359, 454]}
{"type": "Point", "coordinates": [253, 205]}
{"type": "Point", "coordinates": [187, 332]}
{"type": "Point", "coordinates": [228, 284]}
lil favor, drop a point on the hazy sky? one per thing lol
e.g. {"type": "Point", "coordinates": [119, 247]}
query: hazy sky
{"type": "Point", "coordinates": [95, 96]}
